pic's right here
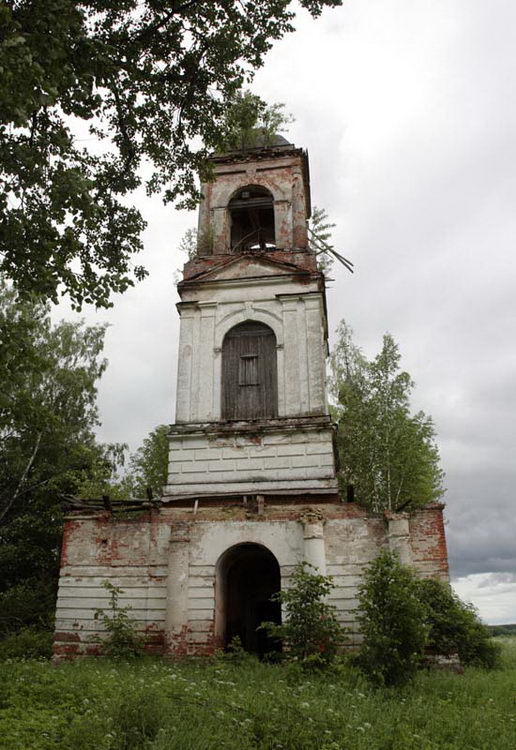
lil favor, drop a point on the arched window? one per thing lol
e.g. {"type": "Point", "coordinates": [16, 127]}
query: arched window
{"type": "Point", "coordinates": [252, 220]}
{"type": "Point", "coordinates": [249, 373]}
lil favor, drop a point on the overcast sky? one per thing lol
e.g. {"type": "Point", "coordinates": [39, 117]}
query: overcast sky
{"type": "Point", "coordinates": [408, 111]}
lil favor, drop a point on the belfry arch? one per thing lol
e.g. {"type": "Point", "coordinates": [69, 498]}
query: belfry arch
{"type": "Point", "coordinates": [247, 576]}
{"type": "Point", "coordinates": [251, 217]}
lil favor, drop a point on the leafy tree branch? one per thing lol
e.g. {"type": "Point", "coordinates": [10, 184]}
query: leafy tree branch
{"type": "Point", "coordinates": [90, 91]}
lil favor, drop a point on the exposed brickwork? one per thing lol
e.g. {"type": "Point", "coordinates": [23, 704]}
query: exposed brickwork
{"type": "Point", "coordinates": [428, 541]}
{"type": "Point", "coordinates": [282, 172]}
{"type": "Point", "coordinates": [298, 262]}
{"type": "Point", "coordinates": [185, 643]}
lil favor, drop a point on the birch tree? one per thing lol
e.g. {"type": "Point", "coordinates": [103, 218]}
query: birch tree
{"type": "Point", "coordinates": [387, 454]}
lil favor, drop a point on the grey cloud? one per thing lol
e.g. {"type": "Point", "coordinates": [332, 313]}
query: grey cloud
{"type": "Point", "coordinates": [482, 526]}
{"type": "Point", "coordinates": [497, 578]}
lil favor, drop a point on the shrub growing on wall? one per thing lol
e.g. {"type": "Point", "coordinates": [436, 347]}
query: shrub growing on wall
{"type": "Point", "coordinates": [123, 640]}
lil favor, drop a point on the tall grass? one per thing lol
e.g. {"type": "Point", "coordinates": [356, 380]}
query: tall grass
{"type": "Point", "coordinates": [199, 705]}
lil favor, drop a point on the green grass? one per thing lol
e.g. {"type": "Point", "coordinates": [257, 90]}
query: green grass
{"type": "Point", "coordinates": [197, 705]}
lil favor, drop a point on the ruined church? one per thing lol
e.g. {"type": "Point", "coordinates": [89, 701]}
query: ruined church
{"type": "Point", "coordinates": [252, 485]}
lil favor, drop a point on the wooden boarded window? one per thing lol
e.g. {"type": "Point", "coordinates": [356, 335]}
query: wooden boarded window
{"type": "Point", "coordinates": [249, 373]}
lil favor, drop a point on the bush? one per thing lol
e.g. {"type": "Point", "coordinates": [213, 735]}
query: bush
{"type": "Point", "coordinates": [27, 643]}
{"type": "Point", "coordinates": [123, 640]}
{"type": "Point", "coordinates": [27, 604]}
{"type": "Point", "coordinates": [454, 627]}
{"type": "Point", "coordinates": [311, 633]}
{"type": "Point", "coordinates": [392, 620]}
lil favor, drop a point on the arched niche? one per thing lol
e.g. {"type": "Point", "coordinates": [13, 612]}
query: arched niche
{"type": "Point", "coordinates": [251, 220]}
{"type": "Point", "coordinates": [249, 373]}
{"type": "Point", "coordinates": [247, 576]}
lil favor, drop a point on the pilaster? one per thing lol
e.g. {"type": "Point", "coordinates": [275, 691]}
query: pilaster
{"type": "Point", "coordinates": [313, 539]}
{"type": "Point", "coordinates": [398, 534]}
{"type": "Point", "coordinates": [177, 583]}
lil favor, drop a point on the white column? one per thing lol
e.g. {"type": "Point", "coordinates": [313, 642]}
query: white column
{"type": "Point", "coordinates": [304, 397]}
{"type": "Point", "coordinates": [291, 357]}
{"type": "Point", "coordinates": [313, 538]}
{"type": "Point", "coordinates": [316, 354]}
{"type": "Point", "coordinates": [206, 361]}
{"type": "Point", "coordinates": [196, 366]}
{"type": "Point", "coordinates": [177, 583]}
{"type": "Point", "coordinates": [398, 532]}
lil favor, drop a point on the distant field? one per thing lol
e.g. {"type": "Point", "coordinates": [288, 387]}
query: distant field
{"type": "Point", "coordinates": [151, 705]}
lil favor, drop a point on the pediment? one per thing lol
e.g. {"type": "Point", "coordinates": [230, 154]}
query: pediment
{"type": "Point", "coordinates": [248, 267]}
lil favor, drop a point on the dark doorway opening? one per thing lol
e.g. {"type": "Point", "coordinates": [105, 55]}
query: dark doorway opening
{"type": "Point", "coordinates": [249, 576]}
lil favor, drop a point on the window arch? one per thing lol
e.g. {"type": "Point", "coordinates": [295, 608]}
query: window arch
{"type": "Point", "coordinates": [249, 372]}
{"type": "Point", "coordinates": [251, 213]}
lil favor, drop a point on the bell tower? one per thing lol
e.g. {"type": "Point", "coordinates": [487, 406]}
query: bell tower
{"type": "Point", "coordinates": [251, 488]}
{"type": "Point", "coordinates": [252, 414]}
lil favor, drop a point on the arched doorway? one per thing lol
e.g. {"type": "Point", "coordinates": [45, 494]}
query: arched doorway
{"type": "Point", "coordinates": [247, 577]}
{"type": "Point", "coordinates": [249, 372]}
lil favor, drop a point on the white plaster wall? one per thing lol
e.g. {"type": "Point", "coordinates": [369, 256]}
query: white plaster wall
{"type": "Point", "coordinates": [81, 593]}
{"type": "Point", "coordinates": [349, 545]}
{"type": "Point", "coordinates": [209, 541]}
{"type": "Point", "coordinates": [298, 459]}
{"type": "Point", "coordinates": [297, 321]}
{"type": "Point", "coordinates": [129, 555]}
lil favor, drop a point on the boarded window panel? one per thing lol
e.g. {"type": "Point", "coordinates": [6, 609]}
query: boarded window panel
{"type": "Point", "coordinates": [249, 373]}
{"type": "Point", "coordinates": [248, 370]}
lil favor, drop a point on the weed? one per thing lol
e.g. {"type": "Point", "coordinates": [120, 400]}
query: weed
{"type": "Point", "coordinates": [123, 640]}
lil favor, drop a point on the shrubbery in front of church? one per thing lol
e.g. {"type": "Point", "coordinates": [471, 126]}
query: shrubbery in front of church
{"type": "Point", "coordinates": [310, 634]}
{"type": "Point", "coordinates": [27, 643]}
{"type": "Point", "coordinates": [454, 627]}
{"type": "Point", "coordinates": [392, 622]}
{"type": "Point", "coordinates": [403, 618]}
